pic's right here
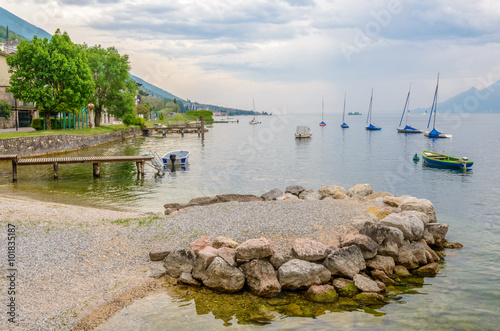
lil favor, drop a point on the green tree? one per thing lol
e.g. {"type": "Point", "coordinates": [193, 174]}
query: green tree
{"type": "Point", "coordinates": [114, 90]}
{"type": "Point", "coordinates": [5, 109]}
{"type": "Point", "coordinates": [53, 73]}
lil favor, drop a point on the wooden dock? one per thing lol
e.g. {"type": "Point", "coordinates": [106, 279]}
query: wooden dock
{"type": "Point", "coordinates": [192, 127]}
{"type": "Point", "coordinates": [55, 161]}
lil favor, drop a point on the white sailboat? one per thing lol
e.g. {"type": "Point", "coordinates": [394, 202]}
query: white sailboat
{"type": "Point", "coordinates": [322, 111]}
{"type": "Point", "coordinates": [435, 133]}
{"type": "Point", "coordinates": [254, 120]}
{"type": "Point", "coordinates": [371, 127]}
{"type": "Point", "coordinates": [406, 110]}
{"type": "Point", "coordinates": [344, 125]}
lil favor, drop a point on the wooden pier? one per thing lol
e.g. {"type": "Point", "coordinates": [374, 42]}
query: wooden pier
{"type": "Point", "coordinates": [95, 160]}
{"type": "Point", "coordinates": [192, 127]}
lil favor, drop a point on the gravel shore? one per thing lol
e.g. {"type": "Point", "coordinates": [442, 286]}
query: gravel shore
{"type": "Point", "coordinates": [72, 260]}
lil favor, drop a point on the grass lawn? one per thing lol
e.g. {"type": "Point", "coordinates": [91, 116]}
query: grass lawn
{"type": "Point", "coordinates": [86, 131]}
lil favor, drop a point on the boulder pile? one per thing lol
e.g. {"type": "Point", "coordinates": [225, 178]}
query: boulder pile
{"type": "Point", "coordinates": [392, 244]}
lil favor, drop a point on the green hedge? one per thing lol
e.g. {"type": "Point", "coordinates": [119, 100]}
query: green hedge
{"type": "Point", "coordinates": [207, 115]}
{"type": "Point", "coordinates": [131, 119]}
{"type": "Point", "coordinates": [37, 123]}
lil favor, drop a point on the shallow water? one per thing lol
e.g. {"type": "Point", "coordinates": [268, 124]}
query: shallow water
{"type": "Point", "coordinates": [241, 158]}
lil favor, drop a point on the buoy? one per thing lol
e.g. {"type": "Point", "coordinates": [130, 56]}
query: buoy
{"type": "Point", "coordinates": [416, 158]}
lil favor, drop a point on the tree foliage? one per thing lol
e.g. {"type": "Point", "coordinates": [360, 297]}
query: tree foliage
{"type": "Point", "coordinates": [153, 103]}
{"type": "Point", "coordinates": [52, 73]}
{"type": "Point", "coordinates": [114, 89]}
{"type": "Point", "coordinates": [5, 109]}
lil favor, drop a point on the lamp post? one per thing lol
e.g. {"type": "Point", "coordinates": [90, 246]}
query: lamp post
{"type": "Point", "coordinates": [17, 114]}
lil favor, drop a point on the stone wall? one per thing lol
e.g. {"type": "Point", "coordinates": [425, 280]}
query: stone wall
{"type": "Point", "coordinates": [40, 145]}
{"type": "Point", "coordinates": [8, 123]}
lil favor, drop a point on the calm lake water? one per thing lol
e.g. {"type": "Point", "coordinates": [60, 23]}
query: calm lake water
{"type": "Point", "coordinates": [243, 158]}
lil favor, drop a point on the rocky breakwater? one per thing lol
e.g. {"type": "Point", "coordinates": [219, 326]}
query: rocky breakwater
{"type": "Point", "coordinates": [396, 241]}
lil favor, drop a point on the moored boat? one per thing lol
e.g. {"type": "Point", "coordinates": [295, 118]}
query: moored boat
{"type": "Point", "coordinates": [435, 133]}
{"type": "Point", "coordinates": [371, 127]}
{"type": "Point", "coordinates": [406, 111]}
{"type": "Point", "coordinates": [344, 124]}
{"type": "Point", "coordinates": [303, 132]}
{"type": "Point", "coordinates": [446, 160]}
{"type": "Point", "coordinates": [176, 158]}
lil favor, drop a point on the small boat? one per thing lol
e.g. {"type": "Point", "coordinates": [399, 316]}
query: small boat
{"type": "Point", "coordinates": [371, 127]}
{"type": "Point", "coordinates": [303, 132]}
{"type": "Point", "coordinates": [446, 161]}
{"type": "Point", "coordinates": [175, 158]}
{"type": "Point", "coordinates": [344, 125]}
{"type": "Point", "coordinates": [435, 133]}
{"type": "Point", "coordinates": [254, 120]}
{"type": "Point", "coordinates": [406, 110]}
{"type": "Point", "coordinates": [322, 110]}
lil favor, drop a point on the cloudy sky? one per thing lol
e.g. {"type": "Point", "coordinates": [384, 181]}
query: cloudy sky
{"type": "Point", "coordinates": [288, 54]}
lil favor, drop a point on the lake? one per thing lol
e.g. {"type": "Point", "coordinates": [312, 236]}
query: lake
{"type": "Point", "coordinates": [243, 158]}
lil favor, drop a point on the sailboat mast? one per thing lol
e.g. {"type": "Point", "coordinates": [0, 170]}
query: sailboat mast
{"type": "Point", "coordinates": [404, 109]}
{"type": "Point", "coordinates": [408, 105]}
{"type": "Point", "coordinates": [433, 104]}
{"type": "Point", "coordinates": [436, 103]}
{"type": "Point", "coordinates": [370, 109]}
{"type": "Point", "coordinates": [322, 107]}
{"type": "Point", "coordinates": [343, 113]}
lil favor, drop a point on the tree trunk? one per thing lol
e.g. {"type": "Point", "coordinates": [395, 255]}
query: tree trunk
{"type": "Point", "coordinates": [98, 113]}
{"type": "Point", "coordinates": [48, 125]}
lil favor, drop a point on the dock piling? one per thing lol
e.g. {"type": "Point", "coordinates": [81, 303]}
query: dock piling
{"type": "Point", "coordinates": [97, 170]}
{"type": "Point", "coordinates": [56, 167]}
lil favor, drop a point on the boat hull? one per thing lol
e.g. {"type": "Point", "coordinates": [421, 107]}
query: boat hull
{"type": "Point", "coordinates": [401, 130]}
{"type": "Point", "coordinates": [344, 126]}
{"type": "Point", "coordinates": [182, 158]}
{"type": "Point", "coordinates": [302, 135]}
{"type": "Point", "coordinates": [445, 160]}
{"type": "Point", "coordinates": [372, 128]}
{"type": "Point", "coordinates": [441, 135]}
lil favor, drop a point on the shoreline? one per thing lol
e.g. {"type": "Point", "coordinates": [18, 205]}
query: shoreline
{"type": "Point", "coordinates": [88, 257]}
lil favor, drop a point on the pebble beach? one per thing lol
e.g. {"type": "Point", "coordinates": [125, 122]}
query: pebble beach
{"type": "Point", "coordinates": [72, 260]}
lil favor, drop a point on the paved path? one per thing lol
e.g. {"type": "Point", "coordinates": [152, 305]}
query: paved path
{"type": "Point", "coordinates": [26, 129]}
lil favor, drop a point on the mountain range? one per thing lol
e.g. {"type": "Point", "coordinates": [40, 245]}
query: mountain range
{"type": "Point", "coordinates": [20, 26]}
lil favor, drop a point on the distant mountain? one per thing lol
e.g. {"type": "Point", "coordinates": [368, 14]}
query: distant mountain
{"type": "Point", "coordinates": [473, 100]}
{"type": "Point", "coordinates": [21, 26]}
{"type": "Point", "coordinates": [154, 91]}
{"type": "Point", "coordinates": [12, 34]}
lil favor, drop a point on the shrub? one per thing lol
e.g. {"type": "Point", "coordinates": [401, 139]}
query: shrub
{"type": "Point", "coordinates": [37, 123]}
{"type": "Point", "coordinates": [5, 109]}
{"type": "Point", "coordinates": [131, 119]}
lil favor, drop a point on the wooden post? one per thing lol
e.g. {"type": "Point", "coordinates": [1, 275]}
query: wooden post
{"type": "Point", "coordinates": [202, 128]}
{"type": "Point", "coordinates": [14, 170]}
{"type": "Point", "coordinates": [138, 166]}
{"type": "Point", "coordinates": [56, 166]}
{"type": "Point", "coordinates": [142, 168]}
{"type": "Point", "coordinates": [97, 170]}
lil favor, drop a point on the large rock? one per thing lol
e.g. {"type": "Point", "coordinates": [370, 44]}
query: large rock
{"type": "Point", "coordinates": [203, 259]}
{"type": "Point", "coordinates": [382, 234]}
{"type": "Point", "coordinates": [379, 213]}
{"type": "Point", "coordinates": [365, 284]}
{"type": "Point", "coordinates": [238, 197]}
{"type": "Point", "coordinates": [322, 293]}
{"type": "Point", "coordinates": [402, 271]}
{"type": "Point", "coordinates": [345, 261]}
{"type": "Point", "coordinates": [393, 201]}
{"type": "Point", "coordinates": [261, 278]}
{"type": "Point", "coordinates": [380, 262]}
{"type": "Point", "coordinates": [187, 279]}
{"type": "Point", "coordinates": [345, 287]}
{"type": "Point", "coordinates": [199, 244]}
{"type": "Point", "coordinates": [428, 270]}
{"type": "Point", "coordinates": [278, 259]}
{"type": "Point", "coordinates": [202, 201]}
{"type": "Point", "coordinates": [272, 195]}
{"type": "Point", "coordinates": [222, 277]}
{"type": "Point", "coordinates": [367, 245]}
{"type": "Point", "coordinates": [379, 195]}
{"type": "Point", "coordinates": [228, 254]}
{"type": "Point", "coordinates": [309, 250]}
{"type": "Point", "coordinates": [295, 189]}
{"type": "Point", "coordinates": [382, 276]}
{"type": "Point", "coordinates": [178, 261]}
{"type": "Point", "coordinates": [158, 255]}
{"type": "Point", "coordinates": [421, 205]}
{"type": "Point", "coordinates": [254, 249]}
{"type": "Point", "coordinates": [299, 274]}
{"type": "Point", "coordinates": [423, 217]}
{"type": "Point", "coordinates": [370, 298]}
{"type": "Point", "coordinates": [411, 226]}
{"type": "Point", "coordinates": [412, 255]}
{"type": "Point", "coordinates": [157, 270]}
{"type": "Point", "coordinates": [219, 242]}
{"type": "Point", "coordinates": [360, 191]}
{"type": "Point", "coordinates": [334, 191]}
{"type": "Point", "coordinates": [438, 232]}
{"type": "Point", "coordinates": [287, 197]}
{"type": "Point", "coordinates": [312, 197]}
{"type": "Point", "coordinates": [303, 194]}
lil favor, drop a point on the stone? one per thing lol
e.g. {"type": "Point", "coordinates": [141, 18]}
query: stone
{"type": "Point", "coordinates": [379, 213]}
{"type": "Point", "coordinates": [360, 191]}
{"type": "Point", "coordinates": [345, 287]}
{"type": "Point", "coordinates": [452, 245]}
{"type": "Point", "coordinates": [295, 189]}
{"type": "Point", "coordinates": [157, 270]}
{"type": "Point", "coordinates": [381, 285]}
{"type": "Point", "coordinates": [202, 201]}
{"type": "Point", "coordinates": [382, 234]}
{"type": "Point", "coordinates": [421, 216]}
{"type": "Point", "coordinates": [384, 263]}
{"type": "Point", "coordinates": [238, 197]}
{"type": "Point", "coordinates": [261, 278]}
{"type": "Point", "coordinates": [169, 211]}
{"type": "Point", "coordinates": [334, 191]}
{"type": "Point", "coordinates": [303, 194]}
{"type": "Point", "coordinates": [158, 255]}
{"type": "Point", "coordinates": [432, 256]}
{"type": "Point", "coordinates": [362, 219]}
{"type": "Point", "coordinates": [199, 244]}
{"type": "Point", "coordinates": [367, 245]}
{"type": "Point", "coordinates": [278, 259]}
{"type": "Point", "coordinates": [222, 277]}
{"type": "Point", "coordinates": [254, 249]}
{"type": "Point", "coordinates": [219, 242]}
{"type": "Point", "coordinates": [272, 195]}
{"type": "Point", "coordinates": [421, 205]}
{"type": "Point", "coordinates": [228, 254]}
{"type": "Point", "coordinates": [287, 197]}
{"type": "Point", "coordinates": [382, 276]}
{"type": "Point", "coordinates": [438, 232]}
{"type": "Point", "coordinates": [428, 270]}
{"type": "Point", "coordinates": [377, 195]}
{"type": "Point", "coordinates": [345, 261]}
{"type": "Point", "coordinates": [322, 293]}
{"type": "Point", "coordinates": [312, 197]}
{"type": "Point", "coordinates": [401, 271]}
{"type": "Point", "coordinates": [365, 284]}
{"type": "Point", "coordinates": [411, 226]}
{"type": "Point", "coordinates": [412, 255]}
{"type": "Point", "coordinates": [203, 259]}
{"type": "Point", "coordinates": [393, 201]}
{"type": "Point", "coordinates": [389, 248]}
{"type": "Point", "coordinates": [174, 205]}
{"type": "Point", "coordinates": [178, 261]}
{"type": "Point", "coordinates": [186, 278]}
{"type": "Point", "coordinates": [309, 250]}
{"type": "Point", "coordinates": [300, 274]}
{"type": "Point", "coordinates": [370, 298]}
